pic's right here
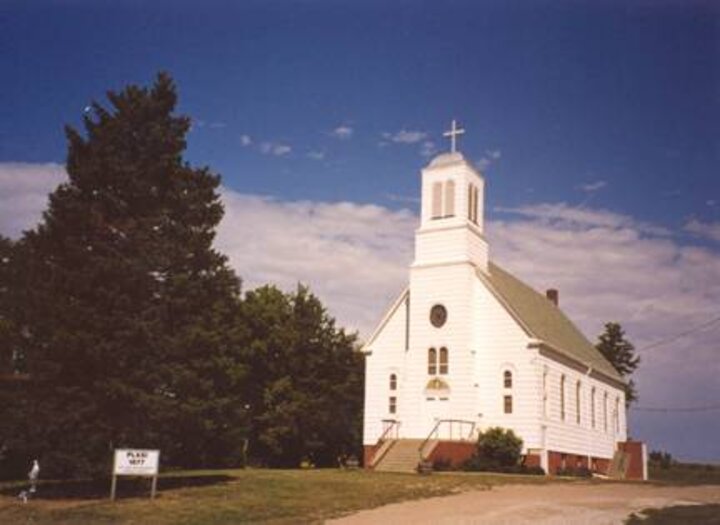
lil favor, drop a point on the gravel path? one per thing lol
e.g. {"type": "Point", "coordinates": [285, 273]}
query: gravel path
{"type": "Point", "coordinates": [577, 503]}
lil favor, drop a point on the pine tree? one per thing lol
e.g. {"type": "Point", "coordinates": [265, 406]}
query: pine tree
{"type": "Point", "coordinates": [133, 336]}
{"type": "Point", "coordinates": [621, 354]}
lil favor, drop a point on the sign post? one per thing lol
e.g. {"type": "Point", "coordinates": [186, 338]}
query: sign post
{"type": "Point", "coordinates": [135, 462]}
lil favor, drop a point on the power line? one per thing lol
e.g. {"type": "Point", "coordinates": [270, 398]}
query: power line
{"type": "Point", "coordinates": [680, 335]}
{"type": "Point", "coordinates": [705, 408]}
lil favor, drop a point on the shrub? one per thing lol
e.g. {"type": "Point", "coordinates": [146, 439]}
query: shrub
{"type": "Point", "coordinates": [497, 449]}
{"type": "Point", "coordinates": [580, 472]}
{"type": "Point", "coordinates": [442, 464]}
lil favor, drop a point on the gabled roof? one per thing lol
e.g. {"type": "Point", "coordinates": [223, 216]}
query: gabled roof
{"type": "Point", "coordinates": [545, 321]}
{"type": "Point", "coordinates": [385, 318]}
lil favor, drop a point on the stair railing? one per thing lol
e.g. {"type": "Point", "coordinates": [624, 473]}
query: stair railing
{"type": "Point", "coordinates": [434, 433]}
{"type": "Point", "coordinates": [380, 450]}
{"type": "Point", "coordinates": [390, 425]}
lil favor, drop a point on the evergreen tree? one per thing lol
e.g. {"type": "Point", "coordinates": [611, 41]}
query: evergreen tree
{"type": "Point", "coordinates": [131, 330]}
{"type": "Point", "coordinates": [621, 354]}
{"type": "Point", "coordinates": [305, 391]}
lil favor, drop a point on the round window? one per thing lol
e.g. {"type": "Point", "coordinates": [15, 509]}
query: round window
{"type": "Point", "coordinates": [438, 315]}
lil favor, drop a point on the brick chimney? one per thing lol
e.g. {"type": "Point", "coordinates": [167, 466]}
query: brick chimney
{"type": "Point", "coordinates": [553, 296]}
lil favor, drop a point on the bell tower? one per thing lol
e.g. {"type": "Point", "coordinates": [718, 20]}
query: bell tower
{"type": "Point", "coordinates": [451, 216]}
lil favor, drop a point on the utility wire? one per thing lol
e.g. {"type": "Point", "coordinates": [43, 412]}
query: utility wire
{"type": "Point", "coordinates": [680, 335]}
{"type": "Point", "coordinates": [706, 408]}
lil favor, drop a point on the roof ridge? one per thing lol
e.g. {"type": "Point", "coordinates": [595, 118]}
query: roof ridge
{"type": "Point", "coordinates": [545, 321]}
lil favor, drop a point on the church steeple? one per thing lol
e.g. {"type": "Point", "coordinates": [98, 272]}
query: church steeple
{"type": "Point", "coordinates": [451, 227]}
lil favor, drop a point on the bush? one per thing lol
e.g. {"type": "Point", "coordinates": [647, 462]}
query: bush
{"type": "Point", "coordinates": [498, 449]}
{"type": "Point", "coordinates": [442, 464]}
{"type": "Point", "coordinates": [580, 472]}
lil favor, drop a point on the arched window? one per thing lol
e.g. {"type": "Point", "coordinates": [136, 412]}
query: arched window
{"type": "Point", "coordinates": [507, 379]}
{"type": "Point", "coordinates": [443, 360]}
{"type": "Point", "coordinates": [578, 402]}
{"type": "Point", "coordinates": [393, 382]}
{"type": "Point", "coordinates": [562, 397]}
{"type": "Point", "coordinates": [449, 198]}
{"type": "Point", "coordinates": [470, 199]}
{"type": "Point", "coordinates": [605, 418]}
{"type": "Point", "coordinates": [544, 393]}
{"type": "Point", "coordinates": [592, 407]}
{"type": "Point", "coordinates": [617, 415]}
{"type": "Point", "coordinates": [437, 198]}
{"type": "Point", "coordinates": [432, 361]}
{"type": "Point", "coordinates": [475, 205]}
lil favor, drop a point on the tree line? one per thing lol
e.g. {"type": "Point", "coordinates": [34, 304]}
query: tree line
{"type": "Point", "coordinates": [121, 326]}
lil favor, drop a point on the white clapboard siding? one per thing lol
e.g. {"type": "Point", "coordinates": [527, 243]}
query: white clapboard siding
{"type": "Point", "coordinates": [386, 356]}
{"type": "Point", "coordinates": [483, 338]}
{"type": "Point", "coordinates": [500, 344]}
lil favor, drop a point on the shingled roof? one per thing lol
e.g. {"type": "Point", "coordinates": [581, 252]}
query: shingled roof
{"type": "Point", "coordinates": [545, 321]}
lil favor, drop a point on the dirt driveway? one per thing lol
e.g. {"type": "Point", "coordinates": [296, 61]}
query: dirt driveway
{"type": "Point", "coordinates": [561, 503]}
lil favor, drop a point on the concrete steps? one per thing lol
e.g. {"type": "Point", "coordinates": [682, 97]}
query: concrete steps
{"type": "Point", "coordinates": [402, 456]}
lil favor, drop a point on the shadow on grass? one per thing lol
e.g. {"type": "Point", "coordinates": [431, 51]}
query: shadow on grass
{"type": "Point", "coordinates": [126, 487]}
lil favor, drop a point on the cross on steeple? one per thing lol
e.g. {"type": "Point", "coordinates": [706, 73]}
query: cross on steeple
{"type": "Point", "coordinates": [453, 133]}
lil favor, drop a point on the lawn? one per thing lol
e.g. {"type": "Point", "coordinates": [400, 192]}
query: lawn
{"type": "Point", "coordinates": [686, 474]}
{"type": "Point", "coordinates": [236, 496]}
{"type": "Point", "coordinates": [705, 514]}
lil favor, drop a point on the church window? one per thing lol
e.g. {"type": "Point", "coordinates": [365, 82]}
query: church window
{"type": "Point", "coordinates": [474, 217]}
{"type": "Point", "coordinates": [437, 200]}
{"type": "Point", "coordinates": [443, 360]}
{"type": "Point", "coordinates": [605, 414]}
{"type": "Point", "coordinates": [616, 415]}
{"type": "Point", "coordinates": [393, 382]}
{"type": "Point", "coordinates": [592, 407]}
{"type": "Point", "coordinates": [544, 392]}
{"type": "Point", "coordinates": [578, 402]}
{"type": "Point", "coordinates": [470, 196]}
{"type": "Point", "coordinates": [507, 404]}
{"type": "Point", "coordinates": [562, 398]}
{"type": "Point", "coordinates": [449, 198]}
{"type": "Point", "coordinates": [392, 405]}
{"type": "Point", "coordinates": [432, 361]}
{"type": "Point", "coordinates": [507, 379]}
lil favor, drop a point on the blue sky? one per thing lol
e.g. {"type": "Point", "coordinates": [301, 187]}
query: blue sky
{"type": "Point", "coordinates": [596, 124]}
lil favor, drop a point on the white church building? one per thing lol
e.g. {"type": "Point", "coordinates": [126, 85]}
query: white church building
{"type": "Point", "coordinates": [467, 346]}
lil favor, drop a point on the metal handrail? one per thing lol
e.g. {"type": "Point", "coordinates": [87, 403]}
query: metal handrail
{"type": "Point", "coordinates": [394, 423]}
{"type": "Point", "coordinates": [435, 429]}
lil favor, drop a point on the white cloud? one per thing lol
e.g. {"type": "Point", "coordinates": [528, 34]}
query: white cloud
{"type": "Point", "coordinates": [491, 156]}
{"type": "Point", "coordinates": [316, 155]}
{"type": "Point", "coordinates": [405, 136]}
{"type": "Point", "coordinates": [592, 187]}
{"type": "Point", "coordinates": [607, 266]}
{"type": "Point", "coordinates": [428, 148]}
{"type": "Point", "coordinates": [246, 140]}
{"type": "Point", "coordinates": [24, 190]}
{"type": "Point", "coordinates": [353, 256]}
{"type": "Point", "coordinates": [708, 230]}
{"type": "Point", "coordinates": [342, 132]}
{"type": "Point", "coordinates": [563, 215]}
{"type": "Point", "coordinates": [275, 148]}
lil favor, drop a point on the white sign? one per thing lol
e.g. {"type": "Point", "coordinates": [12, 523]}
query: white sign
{"type": "Point", "coordinates": [135, 462]}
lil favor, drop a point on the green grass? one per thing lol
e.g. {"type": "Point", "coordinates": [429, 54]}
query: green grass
{"type": "Point", "coordinates": [686, 474]}
{"type": "Point", "coordinates": [681, 514]}
{"type": "Point", "coordinates": [260, 496]}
